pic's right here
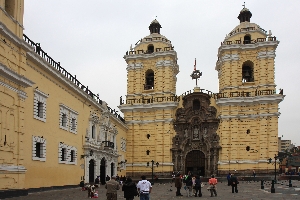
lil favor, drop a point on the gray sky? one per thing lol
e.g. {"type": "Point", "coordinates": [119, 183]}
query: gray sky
{"type": "Point", "coordinates": [90, 37]}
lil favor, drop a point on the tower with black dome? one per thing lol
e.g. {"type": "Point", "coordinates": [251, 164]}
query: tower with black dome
{"type": "Point", "coordinates": [248, 99]}
{"type": "Point", "coordinates": [150, 103]}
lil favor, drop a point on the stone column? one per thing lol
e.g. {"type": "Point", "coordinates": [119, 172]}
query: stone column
{"type": "Point", "coordinates": [208, 164]}
{"type": "Point", "coordinates": [176, 161]}
{"type": "Point", "coordinates": [215, 161]}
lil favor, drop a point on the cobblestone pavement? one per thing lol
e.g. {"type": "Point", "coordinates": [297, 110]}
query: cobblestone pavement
{"type": "Point", "coordinates": [247, 191]}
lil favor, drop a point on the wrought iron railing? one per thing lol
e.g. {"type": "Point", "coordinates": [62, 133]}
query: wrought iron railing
{"type": "Point", "coordinates": [108, 144]}
{"type": "Point", "coordinates": [73, 79]}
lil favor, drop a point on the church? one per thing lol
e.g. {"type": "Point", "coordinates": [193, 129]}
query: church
{"type": "Point", "coordinates": [55, 131]}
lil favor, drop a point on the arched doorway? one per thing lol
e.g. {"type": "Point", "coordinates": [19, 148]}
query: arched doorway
{"type": "Point", "coordinates": [195, 162]}
{"type": "Point", "coordinates": [102, 171]}
{"type": "Point", "coordinates": [112, 166]}
{"type": "Point", "coordinates": [91, 171]}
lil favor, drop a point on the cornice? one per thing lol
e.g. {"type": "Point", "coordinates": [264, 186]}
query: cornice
{"type": "Point", "coordinates": [247, 46]}
{"type": "Point", "coordinates": [12, 169]}
{"type": "Point", "coordinates": [15, 77]}
{"type": "Point", "coordinates": [145, 107]}
{"type": "Point", "coordinates": [253, 116]}
{"type": "Point", "coordinates": [148, 121]}
{"type": "Point", "coordinates": [277, 98]}
{"type": "Point", "coordinates": [21, 94]}
{"type": "Point", "coordinates": [13, 38]}
{"type": "Point", "coordinates": [248, 86]}
{"type": "Point", "coordinates": [152, 55]}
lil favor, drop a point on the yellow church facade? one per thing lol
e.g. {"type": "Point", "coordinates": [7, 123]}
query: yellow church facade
{"type": "Point", "coordinates": [56, 132]}
{"type": "Point", "coordinates": [234, 129]}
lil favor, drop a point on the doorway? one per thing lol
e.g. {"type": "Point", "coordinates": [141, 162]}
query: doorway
{"type": "Point", "coordinates": [195, 163]}
{"type": "Point", "coordinates": [91, 171]}
{"type": "Point", "coordinates": [102, 171]}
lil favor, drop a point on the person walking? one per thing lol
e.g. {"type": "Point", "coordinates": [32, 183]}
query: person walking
{"type": "Point", "coordinates": [198, 187]}
{"type": "Point", "coordinates": [234, 182]}
{"type": "Point", "coordinates": [228, 178]}
{"type": "Point", "coordinates": [112, 186]}
{"type": "Point", "coordinates": [178, 184]}
{"type": "Point", "coordinates": [189, 184]}
{"type": "Point", "coordinates": [212, 185]}
{"type": "Point", "coordinates": [130, 189]}
{"type": "Point", "coordinates": [144, 188]}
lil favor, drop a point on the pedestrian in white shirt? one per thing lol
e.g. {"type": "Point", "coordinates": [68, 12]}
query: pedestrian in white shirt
{"type": "Point", "coordinates": [144, 188]}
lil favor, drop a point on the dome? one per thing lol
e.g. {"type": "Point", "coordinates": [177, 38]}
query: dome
{"type": "Point", "coordinates": [245, 15]}
{"type": "Point", "coordinates": [154, 27]}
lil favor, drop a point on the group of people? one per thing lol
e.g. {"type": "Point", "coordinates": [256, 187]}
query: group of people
{"type": "Point", "coordinates": [192, 185]}
{"type": "Point", "coordinates": [142, 189]}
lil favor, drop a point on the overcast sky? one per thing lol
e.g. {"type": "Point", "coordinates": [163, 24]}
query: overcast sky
{"type": "Point", "coordinates": [90, 37]}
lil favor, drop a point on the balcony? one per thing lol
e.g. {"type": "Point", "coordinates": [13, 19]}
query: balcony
{"type": "Point", "coordinates": [108, 144]}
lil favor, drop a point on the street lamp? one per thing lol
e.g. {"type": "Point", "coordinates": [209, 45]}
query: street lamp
{"type": "Point", "coordinates": [273, 181]}
{"type": "Point", "coordinates": [152, 162]}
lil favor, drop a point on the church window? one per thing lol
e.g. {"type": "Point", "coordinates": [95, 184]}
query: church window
{"type": "Point", "coordinates": [248, 148]}
{"type": "Point", "coordinates": [39, 148]}
{"type": "Point", "coordinates": [247, 39]}
{"type": "Point", "coordinates": [149, 84]}
{"type": "Point", "coordinates": [248, 131]}
{"type": "Point", "coordinates": [147, 152]}
{"type": "Point", "coordinates": [64, 120]}
{"type": "Point", "coordinates": [150, 48]}
{"type": "Point", "coordinates": [39, 105]}
{"type": "Point", "coordinates": [72, 156]}
{"type": "Point", "coordinates": [63, 154]}
{"type": "Point", "coordinates": [67, 154]}
{"type": "Point", "coordinates": [196, 104]}
{"type": "Point", "coordinates": [247, 72]}
{"type": "Point", "coordinates": [67, 119]}
{"type": "Point", "coordinates": [93, 131]}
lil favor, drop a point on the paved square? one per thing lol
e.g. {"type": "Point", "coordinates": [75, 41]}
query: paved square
{"type": "Point", "coordinates": [247, 191]}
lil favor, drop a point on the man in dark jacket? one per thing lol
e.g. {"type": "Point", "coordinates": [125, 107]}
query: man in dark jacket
{"type": "Point", "coordinates": [129, 189]}
{"type": "Point", "coordinates": [233, 182]}
{"type": "Point", "coordinates": [178, 184]}
{"type": "Point", "coordinates": [198, 187]}
{"type": "Point", "coordinates": [189, 184]}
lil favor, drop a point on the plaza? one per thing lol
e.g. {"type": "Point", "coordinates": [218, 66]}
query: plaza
{"type": "Point", "coordinates": [166, 191]}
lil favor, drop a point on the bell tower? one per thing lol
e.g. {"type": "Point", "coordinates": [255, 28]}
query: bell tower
{"type": "Point", "coordinates": [247, 100]}
{"type": "Point", "coordinates": [150, 103]}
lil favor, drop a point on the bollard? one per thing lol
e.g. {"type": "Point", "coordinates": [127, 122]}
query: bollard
{"type": "Point", "coordinates": [262, 184]}
{"type": "Point", "coordinates": [290, 182]}
{"type": "Point", "coordinates": [272, 187]}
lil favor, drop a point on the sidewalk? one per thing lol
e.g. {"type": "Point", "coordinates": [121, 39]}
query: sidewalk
{"type": "Point", "coordinates": [247, 191]}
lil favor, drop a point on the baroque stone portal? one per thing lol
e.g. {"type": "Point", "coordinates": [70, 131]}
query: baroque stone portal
{"type": "Point", "coordinates": [196, 146]}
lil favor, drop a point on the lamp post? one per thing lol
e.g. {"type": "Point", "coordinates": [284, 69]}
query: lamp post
{"type": "Point", "coordinates": [273, 181]}
{"type": "Point", "coordinates": [152, 163]}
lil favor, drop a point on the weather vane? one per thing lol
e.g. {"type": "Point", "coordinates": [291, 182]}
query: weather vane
{"type": "Point", "coordinates": [196, 74]}
{"type": "Point", "coordinates": [244, 5]}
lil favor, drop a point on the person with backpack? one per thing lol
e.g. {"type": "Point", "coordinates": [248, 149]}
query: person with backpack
{"type": "Point", "coordinates": [189, 184]}
{"type": "Point", "coordinates": [198, 187]}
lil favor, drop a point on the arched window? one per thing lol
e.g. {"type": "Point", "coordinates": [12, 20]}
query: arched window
{"type": "Point", "coordinates": [196, 104]}
{"type": "Point", "coordinates": [93, 131]}
{"type": "Point", "coordinates": [247, 72]}
{"type": "Point", "coordinates": [149, 82]}
{"type": "Point", "coordinates": [150, 48]}
{"type": "Point", "coordinates": [247, 39]}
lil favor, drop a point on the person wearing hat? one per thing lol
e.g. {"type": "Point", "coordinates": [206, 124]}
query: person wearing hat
{"type": "Point", "coordinates": [112, 186]}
